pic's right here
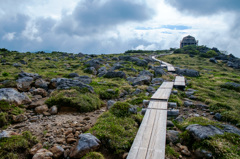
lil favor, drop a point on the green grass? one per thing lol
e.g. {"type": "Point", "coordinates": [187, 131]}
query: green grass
{"type": "Point", "coordinates": [93, 155]}
{"type": "Point", "coordinates": [7, 111]}
{"type": "Point", "coordinates": [170, 152]}
{"type": "Point", "coordinates": [83, 102]}
{"type": "Point", "coordinates": [209, 84]}
{"type": "Point", "coordinates": [15, 145]}
{"type": "Point", "coordinates": [116, 133]}
{"type": "Point", "coordinates": [197, 120]}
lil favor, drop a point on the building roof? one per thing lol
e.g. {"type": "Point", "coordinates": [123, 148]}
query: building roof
{"type": "Point", "coordinates": [189, 39]}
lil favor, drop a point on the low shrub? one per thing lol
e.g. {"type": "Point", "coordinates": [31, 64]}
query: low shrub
{"type": "Point", "coordinates": [224, 146]}
{"type": "Point", "coordinates": [116, 133]}
{"type": "Point", "coordinates": [9, 84]}
{"type": "Point", "coordinates": [170, 152]}
{"type": "Point", "coordinates": [83, 102]}
{"type": "Point", "coordinates": [7, 111]}
{"type": "Point", "coordinates": [138, 100]}
{"type": "Point", "coordinates": [5, 74]}
{"type": "Point", "coordinates": [105, 94]}
{"type": "Point", "coordinates": [93, 155]}
{"type": "Point", "coordinates": [120, 109]}
{"type": "Point", "coordinates": [13, 146]}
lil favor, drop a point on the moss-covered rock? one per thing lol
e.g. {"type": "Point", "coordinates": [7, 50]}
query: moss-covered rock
{"type": "Point", "coordinates": [120, 109]}
{"type": "Point", "coordinates": [115, 133]}
{"type": "Point", "coordinates": [83, 102]}
{"type": "Point", "coordinates": [15, 146]}
{"type": "Point", "coordinates": [93, 155]}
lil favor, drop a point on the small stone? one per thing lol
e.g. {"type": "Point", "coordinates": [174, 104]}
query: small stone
{"type": "Point", "coordinates": [41, 109]}
{"type": "Point", "coordinates": [188, 103]}
{"type": "Point", "coordinates": [218, 116]}
{"type": "Point", "coordinates": [46, 114]}
{"type": "Point", "coordinates": [86, 118]}
{"type": "Point", "coordinates": [172, 105]}
{"type": "Point", "coordinates": [57, 151]}
{"type": "Point", "coordinates": [35, 148]}
{"type": "Point", "coordinates": [53, 110]}
{"type": "Point", "coordinates": [70, 140]}
{"type": "Point", "coordinates": [33, 119]}
{"type": "Point", "coordinates": [19, 118]}
{"type": "Point", "coordinates": [170, 123]}
{"type": "Point", "coordinates": [43, 154]}
{"type": "Point", "coordinates": [86, 143]}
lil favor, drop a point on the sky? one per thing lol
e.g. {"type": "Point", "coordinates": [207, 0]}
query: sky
{"type": "Point", "coordinates": [114, 26]}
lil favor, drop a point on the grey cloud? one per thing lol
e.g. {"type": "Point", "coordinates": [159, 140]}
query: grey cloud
{"type": "Point", "coordinates": [91, 16]}
{"type": "Point", "coordinates": [205, 7]}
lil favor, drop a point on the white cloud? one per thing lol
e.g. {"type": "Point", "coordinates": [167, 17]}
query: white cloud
{"type": "Point", "coordinates": [9, 36]}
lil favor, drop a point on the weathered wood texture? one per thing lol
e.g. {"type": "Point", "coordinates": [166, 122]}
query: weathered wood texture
{"type": "Point", "coordinates": [163, 92]}
{"type": "Point", "coordinates": [179, 81]}
{"type": "Point", "coordinates": [151, 137]}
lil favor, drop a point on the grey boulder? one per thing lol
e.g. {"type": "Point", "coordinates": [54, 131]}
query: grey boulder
{"type": "Point", "coordinates": [188, 72]}
{"type": "Point", "coordinates": [84, 79]}
{"type": "Point", "coordinates": [24, 84]}
{"type": "Point", "coordinates": [13, 96]}
{"type": "Point", "coordinates": [200, 132]}
{"type": "Point", "coordinates": [64, 83]}
{"type": "Point", "coordinates": [86, 143]}
{"type": "Point", "coordinates": [112, 74]}
{"type": "Point", "coordinates": [172, 136]}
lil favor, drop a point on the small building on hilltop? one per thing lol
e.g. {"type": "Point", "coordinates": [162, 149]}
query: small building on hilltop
{"type": "Point", "coordinates": [188, 40]}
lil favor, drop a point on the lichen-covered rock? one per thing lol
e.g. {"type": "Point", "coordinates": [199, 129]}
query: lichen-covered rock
{"type": "Point", "coordinates": [19, 118]}
{"type": "Point", "coordinates": [200, 132]}
{"type": "Point", "coordinates": [53, 110]}
{"type": "Point", "coordinates": [25, 74]}
{"type": "Point", "coordinates": [40, 91]}
{"type": "Point", "coordinates": [57, 151]}
{"type": "Point", "coordinates": [64, 83]}
{"type": "Point", "coordinates": [13, 96]}
{"type": "Point", "coordinates": [172, 136]}
{"type": "Point", "coordinates": [41, 109]}
{"type": "Point", "coordinates": [72, 75]}
{"type": "Point", "coordinates": [188, 72]}
{"type": "Point", "coordinates": [86, 143]}
{"type": "Point", "coordinates": [112, 74]}
{"type": "Point", "coordinates": [41, 83]}
{"type": "Point", "coordinates": [83, 79]}
{"type": "Point", "coordinates": [24, 84]}
{"type": "Point", "coordinates": [35, 148]}
{"type": "Point", "coordinates": [43, 154]}
{"type": "Point", "coordinates": [231, 129]}
{"type": "Point", "coordinates": [91, 70]}
{"type": "Point", "coordinates": [141, 80]}
{"type": "Point", "coordinates": [6, 134]}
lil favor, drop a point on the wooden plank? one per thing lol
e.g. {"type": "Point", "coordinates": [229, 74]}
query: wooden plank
{"type": "Point", "coordinates": [156, 148]}
{"type": "Point", "coordinates": [179, 79]}
{"type": "Point", "coordinates": [171, 69]}
{"type": "Point", "coordinates": [158, 105]}
{"type": "Point", "coordinates": [164, 66]}
{"type": "Point", "coordinates": [162, 94]}
{"type": "Point", "coordinates": [166, 85]}
{"type": "Point", "coordinates": [179, 83]}
{"type": "Point", "coordinates": [133, 153]}
{"type": "Point", "coordinates": [145, 138]}
{"type": "Point", "coordinates": [141, 142]}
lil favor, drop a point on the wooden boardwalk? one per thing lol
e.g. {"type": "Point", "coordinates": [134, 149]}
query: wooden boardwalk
{"type": "Point", "coordinates": [163, 92]}
{"type": "Point", "coordinates": [179, 82]}
{"type": "Point", "coordinates": [150, 140]}
{"type": "Point", "coordinates": [169, 66]}
{"type": "Point", "coordinates": [151, 137]}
